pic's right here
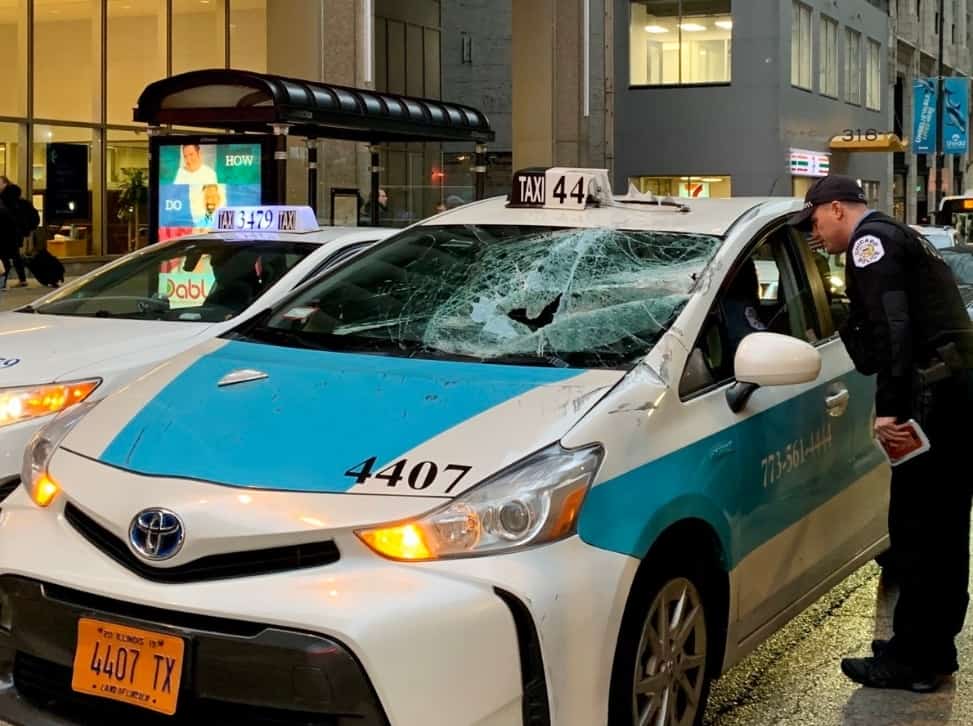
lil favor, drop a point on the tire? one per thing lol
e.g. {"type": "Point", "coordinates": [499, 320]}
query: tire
{"type": "Point", "coordinates": [671, 684]}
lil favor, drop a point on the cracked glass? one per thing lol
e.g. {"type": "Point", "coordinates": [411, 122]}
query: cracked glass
{"type": "Point", "coordinates": [591, 298]}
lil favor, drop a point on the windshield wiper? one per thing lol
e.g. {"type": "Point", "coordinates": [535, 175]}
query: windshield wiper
{"type": "Point", "coordinates": [26, 309]}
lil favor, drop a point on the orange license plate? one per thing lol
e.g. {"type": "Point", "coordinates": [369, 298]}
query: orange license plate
{"type": "Point", "coordinates": [138, 667]}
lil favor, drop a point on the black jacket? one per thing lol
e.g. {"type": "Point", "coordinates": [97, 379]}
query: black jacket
{"type": "Point", "coordinates": [10, 238]}
{"type": "Point", "coordinates": [904, 305]}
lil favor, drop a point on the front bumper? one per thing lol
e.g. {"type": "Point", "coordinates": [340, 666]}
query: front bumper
{"type": "Point", "coordinates": [301, 677]}
{"type": "Point", "coordinates": [479, 642]}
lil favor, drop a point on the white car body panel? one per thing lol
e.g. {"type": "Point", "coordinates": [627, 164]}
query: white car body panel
{"type": "Point", "coordinates": [667, 457]}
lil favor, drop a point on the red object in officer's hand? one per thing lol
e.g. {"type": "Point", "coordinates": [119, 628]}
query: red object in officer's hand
{"type": "Point", "coordinates": [899, 452]}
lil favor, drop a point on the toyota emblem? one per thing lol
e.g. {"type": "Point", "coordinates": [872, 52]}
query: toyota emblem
{"type": "Point", "coordinates": [156, 534]}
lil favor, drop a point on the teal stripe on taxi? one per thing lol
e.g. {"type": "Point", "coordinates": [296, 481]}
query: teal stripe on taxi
{"type": "Point", "coordinates": [731, 479]}
{"type": "Point", "coordinates": [315, 415]}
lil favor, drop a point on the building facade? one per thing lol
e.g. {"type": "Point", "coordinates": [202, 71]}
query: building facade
{"type": "Point", "coordinates": [75, 68]}
{"type": "Point", "coordinates": [740, 98]}
{"type": "Point", "coordinates": [916, 26]}
{"type": "Point", "coordinates": [678, 97]}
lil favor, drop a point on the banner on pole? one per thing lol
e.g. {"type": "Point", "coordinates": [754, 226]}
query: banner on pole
{"type": "Point", "coordinates": [924, 116]}
{"type": "Point", "coordinates": [956, 113]}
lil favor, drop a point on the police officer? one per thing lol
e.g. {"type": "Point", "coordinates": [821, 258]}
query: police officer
{"type": "Point", "coordinates": [908, 325]}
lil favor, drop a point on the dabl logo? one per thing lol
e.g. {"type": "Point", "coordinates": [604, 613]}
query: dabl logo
{"type": "Point", "coordinates": [185, 290]}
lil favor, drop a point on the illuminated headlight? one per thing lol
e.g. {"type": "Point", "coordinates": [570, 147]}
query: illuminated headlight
{"type": "Point", "coordinates": [41, 486]}
{"type": "Point", "coordinates": [23, 403]}
{"type": "Point", "coordinates": [536, 500]}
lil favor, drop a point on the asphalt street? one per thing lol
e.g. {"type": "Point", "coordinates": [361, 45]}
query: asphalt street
{"type": "Point", "coordinates": [794, 679]}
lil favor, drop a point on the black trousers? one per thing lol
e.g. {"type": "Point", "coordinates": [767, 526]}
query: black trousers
{"type": "Point", "coordinates": [929, 527]}
{"type": "Point", "coordinates": [12, 260]}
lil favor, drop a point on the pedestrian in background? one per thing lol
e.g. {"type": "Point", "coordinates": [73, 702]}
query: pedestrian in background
{"type": "Point", "coordinates": [9, 234]}
{"type": "Point", "coordinates": [24, 224]}
{"type": "Point", "coordinates": [908, 325]}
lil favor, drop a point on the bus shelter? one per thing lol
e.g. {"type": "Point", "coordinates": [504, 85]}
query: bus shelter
{"type": "Point", "coordinates": [260, 111]}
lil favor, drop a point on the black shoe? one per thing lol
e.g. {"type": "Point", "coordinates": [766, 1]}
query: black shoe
{"type": "Point", "coordinates": [882, 647]}
{"type": "Point", "coordinates": [887, 672]}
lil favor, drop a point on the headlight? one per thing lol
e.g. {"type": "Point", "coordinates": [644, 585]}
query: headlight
{"type": "Point", "coordinates": [536, 500]}
{"type": "Point", "coordinates": [37, 456]}
{"type": "Point", "coordinates": [26, 402]}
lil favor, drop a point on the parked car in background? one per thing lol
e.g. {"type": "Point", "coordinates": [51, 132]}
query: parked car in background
{"type": "Point", "coordinates": [941, 237]}
{"type": "Point", "coordinates": [102, 330]}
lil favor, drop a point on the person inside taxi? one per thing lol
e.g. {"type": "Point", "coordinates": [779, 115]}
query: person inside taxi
{"type": "Point", "coordinates": [741, 306]}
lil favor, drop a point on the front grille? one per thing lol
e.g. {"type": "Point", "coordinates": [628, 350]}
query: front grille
{"type": "Point", "coordinates": [7, 487]}
{"type": "Point", "coordinates": [212, 567]}
{"type": "Point", "coordinates": [48, 685]}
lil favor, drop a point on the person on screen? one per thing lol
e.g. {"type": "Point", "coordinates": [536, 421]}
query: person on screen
{"type": "Point", "coordinates": [212, 199]}
{"type": "Point", "coordinates": [193, 170]}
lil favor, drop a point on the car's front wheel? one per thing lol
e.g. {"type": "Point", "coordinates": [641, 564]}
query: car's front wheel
{"type": "Point", "coordinates": [660, 672]}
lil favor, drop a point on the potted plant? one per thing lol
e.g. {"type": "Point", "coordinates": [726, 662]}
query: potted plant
{"type": "Point", "coordinates": [133, 194]}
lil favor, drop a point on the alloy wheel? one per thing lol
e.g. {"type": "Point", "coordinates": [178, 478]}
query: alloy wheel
{"type": "Point", "coordinates": [670, 665]}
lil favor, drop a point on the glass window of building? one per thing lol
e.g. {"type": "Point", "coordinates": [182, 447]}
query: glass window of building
{"type": "Point", "coordinates": [13, 137]}
{"type": "Point", "coordinates": [853, 66]}
{"type": "Point", "coordinates": [67, 60]}
{"type": "Point", "coordinates": [673, 42]}
{"type": "Point", "coordinates": [13, 40]}
{"type": "Point", "coordinates": [871, 189]}
{"type": "Point", "coordinates": [136, 52]}
{"type": "Point", "coordinates": [248, 35]}
{"type": "Point", "coordinates": [702, 186]}
{"type": "Point", "coordinates": [61, 170]}
{"type": "Point", "coordinates": [198, 35]}
{"type": "Point", "coordinates": [126, 180]}
{"type": "Point", "coordinates": [828, 64]}
{"type": "Point", "coordinates": [873, 76]}
{"type": "Point", "coordinates": [801, 46]}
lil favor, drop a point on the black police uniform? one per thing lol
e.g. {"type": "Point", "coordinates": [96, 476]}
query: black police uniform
{"type": "Point", "coordinates": [908, 325]}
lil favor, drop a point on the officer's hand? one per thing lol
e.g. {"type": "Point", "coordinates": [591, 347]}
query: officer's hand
{"type": "Point", "coordinates": [890, 432]}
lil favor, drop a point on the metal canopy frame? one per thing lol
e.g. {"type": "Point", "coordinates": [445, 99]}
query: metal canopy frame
{"type": "Point", "coordinates": [246, 101]}
{"type": "Point", "coordinates": [249, 101]}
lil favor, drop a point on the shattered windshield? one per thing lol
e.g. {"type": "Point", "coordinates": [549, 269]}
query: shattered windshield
{"type": "Point", "coordinates": [593, 298]}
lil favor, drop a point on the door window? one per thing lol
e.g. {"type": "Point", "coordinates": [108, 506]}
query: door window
{"type": "Point", "coordinates": [767, 290]}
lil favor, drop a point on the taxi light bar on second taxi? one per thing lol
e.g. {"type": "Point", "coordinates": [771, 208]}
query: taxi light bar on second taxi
{"type": "Point", "coordinates": [560, 188]}
{"type": "Point", "coordinates": [275, 218]}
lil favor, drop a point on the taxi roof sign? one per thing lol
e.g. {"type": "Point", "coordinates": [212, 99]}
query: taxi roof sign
{"type": "Point", "coordinates": [560, 188]}
{"type": "Point", "coordinates": [272, 218]}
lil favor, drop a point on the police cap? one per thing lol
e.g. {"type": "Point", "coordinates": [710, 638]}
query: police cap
{"type": "Point", "coordinates": [831, 188]}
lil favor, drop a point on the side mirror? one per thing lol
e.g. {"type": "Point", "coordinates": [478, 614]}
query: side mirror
{"type": "Point", "coordinates": [770, 359]}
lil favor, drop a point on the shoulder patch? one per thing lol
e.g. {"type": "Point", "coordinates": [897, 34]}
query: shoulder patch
{"type": "Point", "coordinates": [867, 249]}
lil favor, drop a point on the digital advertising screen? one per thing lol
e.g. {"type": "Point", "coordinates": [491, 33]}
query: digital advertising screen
{"type": "Point", "coordinates": [197, 177]}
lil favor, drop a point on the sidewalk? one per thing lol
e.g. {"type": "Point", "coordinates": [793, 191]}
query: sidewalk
{"type": "Point", "coordinates": [14, 297]}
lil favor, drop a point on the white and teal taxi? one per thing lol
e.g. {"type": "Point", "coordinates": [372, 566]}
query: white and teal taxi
{"type": "Point", "coordinates": [556, 459]}
{"type": "Point", "coordinates": [99, 332]}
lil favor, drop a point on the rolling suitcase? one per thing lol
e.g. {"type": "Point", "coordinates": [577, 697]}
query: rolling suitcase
{"type": "Point", "coordinates": [47, 268]}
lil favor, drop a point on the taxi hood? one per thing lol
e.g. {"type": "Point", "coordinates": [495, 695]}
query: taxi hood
{"type": "Point", "coordinates": [312, 421]}
{"type": "Point", "coordinates": [49, 348]}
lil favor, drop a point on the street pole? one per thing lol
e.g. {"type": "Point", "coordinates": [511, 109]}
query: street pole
{"type": "Point", "coordinates": [940, 107]}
